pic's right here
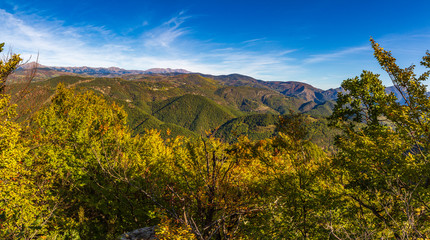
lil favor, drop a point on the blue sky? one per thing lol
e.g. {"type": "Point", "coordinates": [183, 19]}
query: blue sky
{"type": "Point", "coordinates": [317, 42]}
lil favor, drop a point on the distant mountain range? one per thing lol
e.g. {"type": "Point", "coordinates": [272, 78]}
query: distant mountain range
{"type": "Point", "coordinates": [190, 104]}
{"type": "Point", "coordinates": [291, 88]}
{"type": "Point", "coordinates": [116, 71]}
{"type": "Point", "coordinates": [178, 102]}
{"type": "Point", "coordinates": [299, 90]}
{"type": "Point", "coordinates": [100, 71]}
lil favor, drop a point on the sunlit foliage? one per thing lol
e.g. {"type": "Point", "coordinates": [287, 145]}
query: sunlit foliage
{"type": "Point", "coordinates": [384, 150]}
{"type": "Point", "coordinates": [76, 171]}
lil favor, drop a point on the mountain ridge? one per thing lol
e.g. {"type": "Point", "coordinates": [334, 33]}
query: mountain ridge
{"type": "Point", "coordinates": [188, 104]}
{"type": "Point", "coordinates": [103, 71]}
{"type": "Point", "coordinates": [289, 88]}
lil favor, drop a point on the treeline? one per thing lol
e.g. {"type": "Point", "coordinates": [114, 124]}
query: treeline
{"type": "Point", "coordinates": [74, 170]}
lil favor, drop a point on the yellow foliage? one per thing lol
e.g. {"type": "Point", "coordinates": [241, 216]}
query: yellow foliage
{"type": "Point", "coordinates": [21, 200]}
{"type": "Point", "coordinates": [169, 230]}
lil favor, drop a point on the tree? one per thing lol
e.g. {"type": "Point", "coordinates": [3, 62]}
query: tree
{"type": "Point", "coordinates": [17, 92]}
{"type": "Point", "coordinates": [383, 153]}
{"type": "Point", "coordinates": [23, 202]}
{"type": "Point", "coordinates": [7, 66]}
{"type": "Point", "coordinates": [198, 184]}
{"type": "Point", "coordinates": [294, 172]}
{"type": "Point", "coordinates": [18, 198]}
{"type": "Point", "coordinates": [74, 139]}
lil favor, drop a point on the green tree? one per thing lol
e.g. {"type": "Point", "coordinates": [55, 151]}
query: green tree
{"type": "Point", "coordinates": [75, 139]}
{"type": "Point", "coordinates": [383, 154]}
{"type": "Point", "coordinates": [294, 171]}
{"type": "Point", "coordinates": [199, 184]}
{"type": "Point", "coordinates": [24, 208]}
{"type": "Point", "coordinates": [19, 200]}
{"type": "Point", "coordinates": [7, 66]}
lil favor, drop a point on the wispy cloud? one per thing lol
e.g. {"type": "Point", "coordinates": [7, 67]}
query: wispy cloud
{"type": "Point", "coordinates": [145, 42]}
{"type": "Point", "coordinates": [253, 40]}
{"type": "Point", "coordinates": [167, 33]}
{"type": "Point", "coordinates": [335, 55]}
{"type": "Point", "coordinates": [173, 44]}
{"type": "Point", "coordinates": [166, 45]}
{"type": "Point", "coordinates": [52, 40]}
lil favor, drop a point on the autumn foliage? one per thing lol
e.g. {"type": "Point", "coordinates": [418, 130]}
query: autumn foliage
{"type": "Point", "coordinates": [76, 171]}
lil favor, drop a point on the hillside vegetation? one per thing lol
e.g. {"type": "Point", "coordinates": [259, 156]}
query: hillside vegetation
{"type": "Point", "coordinates": [80, 158]}
{"type": "Point", "coordinates": [186, 104]}
{"type": "Point", "coordinates": [255, 127]}
{"type": "Point", "coordinates": [193, 112]}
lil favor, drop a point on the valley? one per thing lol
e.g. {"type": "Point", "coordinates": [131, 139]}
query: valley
{"type": "Point", "coordinates": [188, 104]}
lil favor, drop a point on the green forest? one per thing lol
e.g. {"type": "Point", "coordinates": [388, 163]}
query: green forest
{"type": "Point", "coordinates": [93, 158]}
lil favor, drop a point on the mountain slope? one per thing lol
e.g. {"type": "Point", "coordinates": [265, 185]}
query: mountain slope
{"type": "Point", "coordinates": [293, 89]}
{"type": "Point", "coordinates": [190, 104]}
{"type": "Point", "coordinates": [303, 91]}
{"type": "Point", "coordinates": [255, 127]}
{"type": "Point", "coordinates": [248, 99]}
{"type": "Point", "coordinates": [193, 112]}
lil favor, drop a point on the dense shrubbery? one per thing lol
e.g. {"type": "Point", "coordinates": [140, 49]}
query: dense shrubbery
{"type": "Point", "coordinates": [75, 171]}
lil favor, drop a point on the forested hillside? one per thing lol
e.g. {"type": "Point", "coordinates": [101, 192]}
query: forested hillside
{"type": "Point", "coordinates": [214, 157]}
{"type": "Point", "coordinates": [186, 104]}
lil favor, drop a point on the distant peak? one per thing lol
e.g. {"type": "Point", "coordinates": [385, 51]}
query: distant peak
{"type": "Point", "coordinates": [30, 65]}
{"type": "Point", "coordinates": [116, 70]}
{"type": "Point", "coordinates": [166, 70]}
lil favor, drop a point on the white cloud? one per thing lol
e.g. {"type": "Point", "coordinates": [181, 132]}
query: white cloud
{"type": "Point", "coordinates": [167, 33]}
{"type": "Point", "coordinates": [253, 40]}
{"type": "Point", "coordinates": [54, 42]}
{"type": "Point", "coordinates": [174, 44]}
{"type": "Point", "coordinates": [167, 45]}
{"type": "Point", "coordinates": [171, 44]}
{"type": "Point", "coordinates": [336, 55]}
